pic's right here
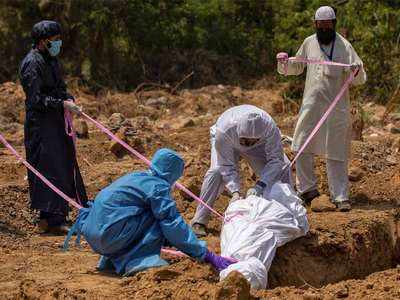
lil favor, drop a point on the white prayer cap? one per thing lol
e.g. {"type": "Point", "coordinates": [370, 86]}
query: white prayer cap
{"type": "Point", "coordinates": [325, 13]}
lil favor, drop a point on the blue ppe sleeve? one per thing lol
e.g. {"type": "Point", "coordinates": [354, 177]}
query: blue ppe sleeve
{"type": "Point", "coordinates": [174, 228]}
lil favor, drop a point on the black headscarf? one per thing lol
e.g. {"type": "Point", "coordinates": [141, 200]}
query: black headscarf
{"type": "Point", "coordinates": [44, 29]}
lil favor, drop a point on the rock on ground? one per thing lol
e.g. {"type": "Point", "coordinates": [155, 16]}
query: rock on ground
{"type": "Point", "coordinates": [322, 204]}
{"type": "Point", "coordinates": [233, 287]}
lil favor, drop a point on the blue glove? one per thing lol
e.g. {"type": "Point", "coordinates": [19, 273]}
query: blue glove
{"type": "Point", "coordinates": [217, 261]}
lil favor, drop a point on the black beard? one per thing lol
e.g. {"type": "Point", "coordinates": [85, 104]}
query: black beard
{"type": "Point", "coordinates": [325, 36]}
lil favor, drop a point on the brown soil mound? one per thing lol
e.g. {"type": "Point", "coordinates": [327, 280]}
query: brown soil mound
{"type": "Point", "coordinates": [338, 258]}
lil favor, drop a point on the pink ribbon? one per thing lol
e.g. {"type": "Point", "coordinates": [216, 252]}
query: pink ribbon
{"type": "Point", "coordinates": [60, 193]}
{"type": "Point", "coordinates": [147, 162]}
{"type": "Point", "coordinates": [181, 254]}
{"type": "Point", "coordinates": [69, 127]}
{"type": "Point", "coordinates": [331, 106]}
{"type": "Point", "coordinates": [37, 173]}
{"type": "Point", "coordinates": [325, 116]}
{"type": "Point", "coordinates": [70, 131]}
{"type": "Point", "coordinates": [317, 62]}
{"type": "Point", "coordinates": [173, 252]}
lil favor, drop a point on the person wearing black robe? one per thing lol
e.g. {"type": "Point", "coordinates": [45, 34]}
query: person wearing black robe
{"type": "Point", "coordinates": [48, 146]}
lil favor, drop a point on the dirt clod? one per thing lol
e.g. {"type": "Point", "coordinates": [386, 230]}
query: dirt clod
{"type": "Point", "coordinates": [157, 102]}
{"type": "Point", "coordinates": [165, 274]}
{"type": "Point", "coordinates": [355, 174]}
{"type": "Point", "coordinates": [117, 149]}
{"type": "Point", "coordinates": [322, 204]}
{"type": "Point", "coordinates": [341, 249]}
{"type": "Point", "coordinates": [369, 286]}
{"type": "Point", "coordinates": [312, 296]}
{"type": "Point", "coordinates": [342, 292]}
{"type": "Point", "coordinates": [115, 121]}
{"type": "Point", "coordinates": [81, 129]}
{"type": "Point", "coordinates": [234, 286]}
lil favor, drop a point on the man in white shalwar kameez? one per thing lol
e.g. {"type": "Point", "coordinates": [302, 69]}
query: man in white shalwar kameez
{"type": "Point", "coordinates": [241, 131]}
{"type": "Point", "coordinates": [323, 83]}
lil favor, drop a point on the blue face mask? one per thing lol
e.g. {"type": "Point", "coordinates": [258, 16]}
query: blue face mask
{"type": "Point", "coordinates": [55, 47]}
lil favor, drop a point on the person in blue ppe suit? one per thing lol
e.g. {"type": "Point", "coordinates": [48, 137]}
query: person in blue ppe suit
{"type": "Point", "coordinates": [131, 219]}
{"type": "Point", "coordinates": [48, 147]}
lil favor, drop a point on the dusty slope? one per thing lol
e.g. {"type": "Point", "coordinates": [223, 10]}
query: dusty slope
{"type": "Point", "coordinates": [340, 246]}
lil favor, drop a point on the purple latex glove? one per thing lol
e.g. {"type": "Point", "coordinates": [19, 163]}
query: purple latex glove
{"type": "Point", "coordinates": [217, 261]}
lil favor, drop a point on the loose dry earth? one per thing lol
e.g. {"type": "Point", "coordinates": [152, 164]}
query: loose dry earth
{"type": "Point", "coordinates": [346, 255]}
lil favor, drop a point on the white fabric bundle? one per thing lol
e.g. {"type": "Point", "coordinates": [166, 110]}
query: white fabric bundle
{"type": "Point", "coordinates": [258, 227]}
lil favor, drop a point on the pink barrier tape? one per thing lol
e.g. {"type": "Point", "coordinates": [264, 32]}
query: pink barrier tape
{"type": "Point", "coordinates": [188, 192]}
{"type": "Point", "coordinates": [70, 131]}
{"type": "Point", "coordinates": [146, 161]}
{"type": "Point", "coordinates": [181, 254]}
{"type": "Point", "coordinates": [37, 173]}
{"type": "Point", "coordinates": [325, 116]}
{"type": "Point", "coordinates": [173, 252]}
{"type": "Point", "coordinates": [65, 197]}
{"type": "Point", "coordinates": [317, 62]}
{"type": "Point", "coordinates": [118, 140]}
{"type": "Point", "coordinates": [331, 106]}
{"type": "Point", "coordinates": [69, 128]}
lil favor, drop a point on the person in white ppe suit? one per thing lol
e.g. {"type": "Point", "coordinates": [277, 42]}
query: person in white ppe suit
{"type": "Point", "coordinates": [241, 131]}
{"type": "Point", "coordinates": [323, 83]}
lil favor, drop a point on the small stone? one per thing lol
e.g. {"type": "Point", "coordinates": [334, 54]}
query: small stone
{"type": "Point", "coordinates": [378, 113]}
{"type": "Point", "coordinates": [387, 288]}
{"type": "Point", "coordinates": [115, 121]}
{"type": "Point", "coordinates": [396, 145]}
{"type": "Point", "coordinates": [277, 107]}
{"type": "Point", "coordinates": [312, 296]}
{"type": "Point", "coordinates": [391, 160]}
{"type": "Point", "coordinates": [188, 123]}
{"type": "Point", "coordinates": [355, 174]}
{"type": "Point", "coordinates": [394, 129]}
{"type": "Point", "coordinates": [81, 129]}
{"type": "Point", "coordinates": [395, 116]}
{"type": "Point", "coordinates": [165, 275]}
{"type": "Point", "coordinates": [237, 92]}
{"type": "Point", "coordinates": [322, 204]}
{"type": "Point", "coordinates": [157, 102]}
{"type": "Point", "coordinates": [342, 293]}
{"type": "Point", "coordinates": [185, 123]}
{"type": "Point", "coordinates": [117, 148]}
{"type": "Point", "coordinates": [234, 287]}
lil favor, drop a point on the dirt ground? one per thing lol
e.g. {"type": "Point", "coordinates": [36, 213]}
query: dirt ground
{"type": "Point", "coordinates": [351, 255]}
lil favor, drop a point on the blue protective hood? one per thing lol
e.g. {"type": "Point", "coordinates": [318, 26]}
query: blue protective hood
{"type": "Point", "coordinates": [168, 165]}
